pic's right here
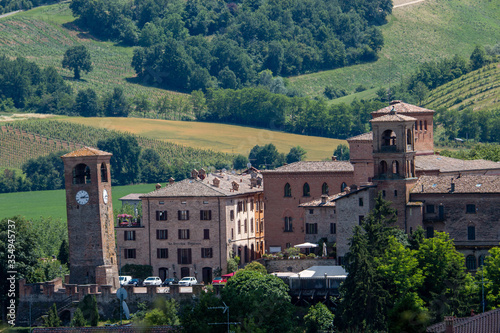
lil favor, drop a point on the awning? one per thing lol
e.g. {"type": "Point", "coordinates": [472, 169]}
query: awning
{"type": "Point", "coordinates": [306, 245]}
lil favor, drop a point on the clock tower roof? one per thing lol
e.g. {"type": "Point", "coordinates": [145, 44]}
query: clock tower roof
{"type": "Point", "coordinates": [87, 151]}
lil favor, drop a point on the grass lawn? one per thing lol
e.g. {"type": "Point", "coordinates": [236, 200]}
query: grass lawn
{"type": "Point", "coordinates": [218, 137]}
{"type": "Point", "coordinates": [427, 31]}
{"type": "Point", "coordinates": [32, 205]}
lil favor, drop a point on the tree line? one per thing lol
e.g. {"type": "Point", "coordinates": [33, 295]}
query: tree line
{"type": "Point", "coordinates": [245, 37]}
{"type": "Point", "coordinates": [7, 6]}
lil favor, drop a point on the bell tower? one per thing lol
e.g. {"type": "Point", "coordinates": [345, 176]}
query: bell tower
{"type": "Point", "coordinates": [394, 159]}
{"type": "Point", "coordinates": [91, 233]}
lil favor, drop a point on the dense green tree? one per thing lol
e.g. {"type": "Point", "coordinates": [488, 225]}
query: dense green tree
{"type": "Point", "coordinates": [63, 255]}
{"type": "Point", "coordinates": [342, 152]}
{"type": "Point", "coordinates": [256, 266]}
{"type": "Point", "coordinates": [87, 103]}
{"type": "Point", "coordinates": [153, 168]}
{"type": "Point", "coordinates": [240, 162]}
{"type": "Point", "coordinates": [77, 59]}
{"type": "Point", "coordinates": [88, 306]}
{"type": "Point", "coordinates": [478, 58]}
{"type": "Point", "coordinates": [296, 154]}
{"type": "Point", "coordinates": [196, 318]}
{"type": "Point", "coordinates": [53, 319]}
{"type": "Point", "coordinates": [266, 157]}
{"type": "Point", "coordinates": [319, 319]}
{"type": "Point", "coordinates": [255, 299]}
{"type": "Point", "coordinates": [116, 104]}
{"type": "Point", "coordinates": [164, 312]}
{"type": "Point", "coordinates": [142, 104]}
{"type": "Point", "coordinates": [78, 319]}
{"type": "Point", "coordinates": [491, 273]}
{"type": "Point", "coordinates": [45, 172]}
{"type": "Point", "coordinates": [125, 160]}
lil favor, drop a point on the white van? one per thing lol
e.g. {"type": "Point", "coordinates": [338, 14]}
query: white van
{"type": "Point", "coordinates": [124, 279]}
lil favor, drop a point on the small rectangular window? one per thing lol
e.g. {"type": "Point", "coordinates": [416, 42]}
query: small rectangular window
{"type": "Point", "coordinates": [383, 193]}
{"type": "Point", "coordinates": [311, 211]}
{"type": "Point", "coordinates": [251, 224]}
{"type": "Point", "coordinates": [161, 234]}
{"type": "Point", "coordinates": [184, 256]}
{"type": "Point", "coordinates": [311, 228]}
{"type": "Point", "coordinates": [129, 253]}
{"type": "Point", "coordinates": [288, 245]}
{"type": "Point", "coordinates": [129, 235]}
{"type": "Point", "coordinates": [183, 215]}
{"type": "Point", "coordinates": [333, 228]}
{"type": "Point", "coordinates": [360, 202]}
{"type": "Point", "coordinates": [360, 219]}
{"type": "Point", "coordinates": [231, 215]}
{"type": "Point", "coordinates": [470, 209]}
{"type": "Point", "coordinates": [206, 233]}
{"type": "Point", "coordinates": [205, 215]}
{"type": "Point", "coordinates": [162, 253]}
{"type": "Point", "coordinates": [161, 215]}
{"type": "Point", "coordinates": [395, 193]}
{"type": "Point", "coordinates": [471, 233]}
{"type": "Point", "coordinates": [288, 224]}
{"type": "Point", "coordinates": [239, 227]}
{"type": "Point", "coordinates": [183, 233]}
{"type": "Point", "coordinates": [430, 209]}
{"type": "Point", "coordinates": [206, 252]}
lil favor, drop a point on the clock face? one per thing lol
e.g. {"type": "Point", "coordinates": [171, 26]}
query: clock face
{"type": "Point", "coordinates": [82, 197]}
{"type": "Point", "coordinates": [105, 196]}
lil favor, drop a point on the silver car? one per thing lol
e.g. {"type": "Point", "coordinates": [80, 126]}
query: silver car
{"type": "Point", "coordinates": [188, 281]}
{"type": "Point", "coordinates": [152, 281]}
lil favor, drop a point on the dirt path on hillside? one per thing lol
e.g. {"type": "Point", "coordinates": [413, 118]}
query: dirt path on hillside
{"type": "Point", "coordinates": [23, 116]}
{"type": "Point", "coordinates": [402, 3]}
{"type": "Point", "coordinates": [11, 13]}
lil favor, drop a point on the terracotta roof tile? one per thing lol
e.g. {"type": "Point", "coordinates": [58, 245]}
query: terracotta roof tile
{"type": "Point", "coordinates": [449, 164]}
{"type": "Point", "coordinates": [317, 203]}
{"type": "Point", "coordinates": [362, 137]}
{"type": "Point", "coordinates": [131, 196]}
{"type": "Point", "coordinates": [392, 117]}
{"type": "Point", "coordinates": [87, 151]}
{"type": "Point", "coordinates": [313, 166]}
{"type": "Point", "coordinates": [482, 323]}
{"type": "Point", "coordinates": [463, 184]}
{"type": "Point", "coordinates": [205, 188]}
{"type": "Point", "coordinates": [402, 107]}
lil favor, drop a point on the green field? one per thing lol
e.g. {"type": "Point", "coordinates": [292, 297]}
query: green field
{"type": "Point", "coordinates": [479, 89]}
{"type": "Point", "coordinates": [43, 35]}
{"type": "Point", "coordinates": [32, 205]}
{"type": "Point", "coordinates": [218, 137]}
{"type": "Point", "coordinates": [427, 31]}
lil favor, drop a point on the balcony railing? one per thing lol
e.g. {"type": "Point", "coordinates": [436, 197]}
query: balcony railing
{"type": "Point", "coordinates": [128, 222]}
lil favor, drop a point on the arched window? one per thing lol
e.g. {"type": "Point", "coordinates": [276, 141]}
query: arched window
{"type": "Point", "coordinates": [163, 273]}
{"type": "Point", "coordinates": [342, 187]}
{"type": "Point", "coordinates": [104, 173]}
{"type": "Point", "coordinates": [388, 138]}
{"type": "Point", "coordinates": [324, 188]}
{"type": "Point", "coordinates": [206, 273]}
{"type": "Point", "coordinates": [408, 137]}
{"type": "Point", "coordinates": [425, 125]}
{"type": "Point", "coordinates": [81, 174]}
{"type": "Point", "coordinates": [306, 191]}
{"type": "Point", "coordinates": [421, 125]}
{"type": "Point", "coordinates": [288, 190]}
{"type": "Point", "coordinates": [470, 262]}
{"type": "Point", "coordinates": [383, 167]}
{"type": "Point", "coordinates": [395, 167]}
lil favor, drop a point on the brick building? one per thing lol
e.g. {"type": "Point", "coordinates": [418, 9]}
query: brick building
{"type": "Point", "coordinates": [191, 227]}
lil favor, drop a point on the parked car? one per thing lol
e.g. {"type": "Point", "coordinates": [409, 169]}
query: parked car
{"type": "Point", "coordinates": [170, 281]}
{"type": "Point", "coordinates": [188, 281]}
{"type": "Point", "coordinates": [219, 280]}
{"type": "Point", "coordinates": [152, 281]}
{"type": "Point", "coordinates": [135, 282]}
{"type": "Point", "coordinates": [124, 279]}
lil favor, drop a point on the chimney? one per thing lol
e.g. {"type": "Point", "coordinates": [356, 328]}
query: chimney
{"type": "Point", "coordinates": [324, 197]}
{"type": "Point", "coordinates": [194, 174]}
{"type": "Point", "coordinates": [235, 185]}
{"type": "Point", "coordinates": [347, 190]}
{"type": "Point", "coordinates": [452, 186]}
{"type": "Point", "coordinates": [158, 186]}
{"type": "Point", "coordinates": [354, 187]}
{"type": "Point", "coordinates": [202, 174]}
{"type": "Point", "coordinates": [171, 180]}
{"type": "Point", "coordinates": [216, 182]}
{"type": "Point", "coordinates": [422, 187]}
{"type": "Point", "coordinates": [449, 324]}
{"type": "Point", "coordinates": [334, 158]}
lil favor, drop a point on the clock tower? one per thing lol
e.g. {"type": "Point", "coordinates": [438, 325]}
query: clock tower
{"type": "Point", "coordinates": [91, 234]}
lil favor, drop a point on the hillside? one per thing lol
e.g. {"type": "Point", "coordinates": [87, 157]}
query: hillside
{"type": "Point", "coordinates": [426, 31]}
{"type": "Point", "coordinates": [479, 89]}
{"type": "Point", "coordinates": [43, 34]}
{"type": "Point", "coordinates": [218, 137]}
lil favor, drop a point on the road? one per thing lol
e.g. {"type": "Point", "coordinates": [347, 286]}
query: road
{"type": "Point", "coordinates": [405, 3]}
{"type": "Point", "coordinates": [9, 14]}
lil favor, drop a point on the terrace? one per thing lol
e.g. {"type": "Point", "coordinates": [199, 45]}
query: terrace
{"type": "Point", "coordinates": [128, 221]}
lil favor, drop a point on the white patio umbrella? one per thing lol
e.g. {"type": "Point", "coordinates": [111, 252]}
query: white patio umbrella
{"type": "Point", "coordinates": [306, 245]}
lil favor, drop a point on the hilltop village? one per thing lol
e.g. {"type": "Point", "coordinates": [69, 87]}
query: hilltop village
{"type": "Point", "coordinates": [198, 228]}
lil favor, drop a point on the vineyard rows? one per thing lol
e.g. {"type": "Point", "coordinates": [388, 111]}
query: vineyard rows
{"type": "Point", "coordinates": [45, 135]}
{"type": "Point", "coordinates": [480, 88]}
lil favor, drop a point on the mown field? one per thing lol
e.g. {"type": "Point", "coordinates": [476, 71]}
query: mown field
{"type": "Point", "coordinates": [426, 31]}
{"type": "Point", "coordinates": [43, 35]}
{"type": "Point", "coordinates": [479, 89]}
{"type": "Point", "coordinates": [32, 205]}
{"type": "Point", "coordinates": [218, 137]}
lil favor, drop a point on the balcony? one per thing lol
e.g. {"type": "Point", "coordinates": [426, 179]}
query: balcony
{"type": "Point", "coordinates": [128, 221]}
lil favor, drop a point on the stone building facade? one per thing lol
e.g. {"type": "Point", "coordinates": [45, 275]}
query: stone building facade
{"type": "Point", "coordinates": [291, 185]}
{"type": "Point", "coordinates": [89, 209]}
{"type": "Point", "coordinates": [192, 227]}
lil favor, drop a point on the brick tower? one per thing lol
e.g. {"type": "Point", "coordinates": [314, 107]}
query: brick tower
{"type": "Point", "coordinates": [394, 159]}
{"type": "Point", "coordinates": [91, 233]}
